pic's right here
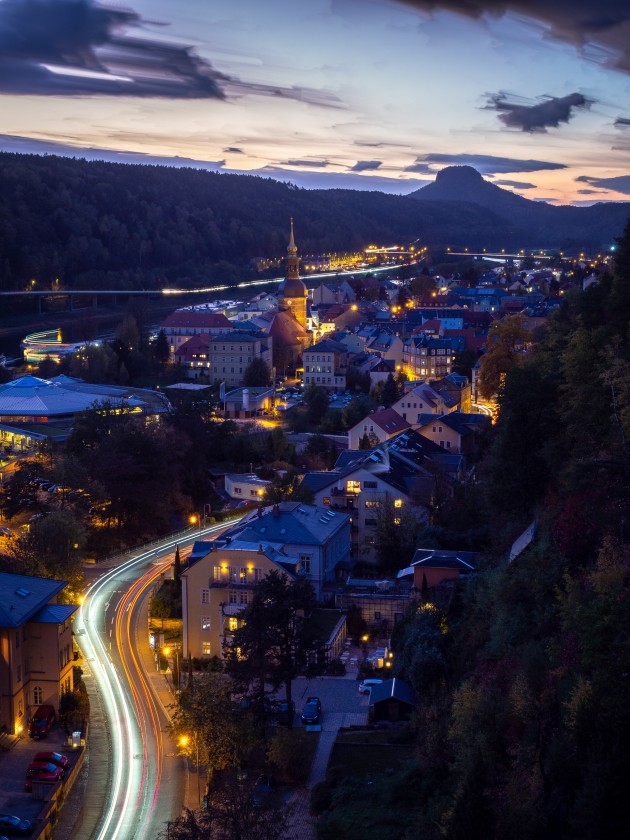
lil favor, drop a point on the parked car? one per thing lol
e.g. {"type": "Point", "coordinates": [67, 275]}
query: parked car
{"type": "Point", "coordinates": [54, 758]}
{"type": "Point", "coordinates": [312, 711]}
{"type": "Point", "coordinates": [5, 532]}
{"type": "Point", "coordinates": [42, 721]}
{"type": "Point", "coordinates": [368, 684]}
{"type": "Point", "coordinates": [14, 826]}
{"type": "Point", "coordinates": [42, 772]}
{"type": "Point", "coordinates": [263, 791]}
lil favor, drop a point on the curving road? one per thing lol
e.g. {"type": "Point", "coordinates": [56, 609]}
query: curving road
{"type": "Point", "coordinates": [146, 777]}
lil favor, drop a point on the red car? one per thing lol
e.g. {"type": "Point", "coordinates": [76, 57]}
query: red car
{"type": "Point", "coordinates": [41, 722]}
{"type": "Point", "coordinates": [42, 772]}
{"type": "Point", "coordinates": [52, 758]}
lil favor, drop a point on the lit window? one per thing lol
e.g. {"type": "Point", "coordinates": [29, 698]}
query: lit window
{"type": "Point", "coordinates": [205, 623]}
{"type": "Point", "coordinates": [205, 648]}
{"type": "Point", "coordinates": [232, 624]}
{"type": "Point", "coordinates": [353, 486]}
{"type": "Point", "coordinates": [397, 503]}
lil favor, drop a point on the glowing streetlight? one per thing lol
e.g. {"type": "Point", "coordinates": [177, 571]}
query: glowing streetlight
{"type": "Point", "coordinates": [183, 742]}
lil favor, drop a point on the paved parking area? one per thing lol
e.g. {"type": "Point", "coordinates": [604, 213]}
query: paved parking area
{"type": "Point", "coordinates": [13, 764]}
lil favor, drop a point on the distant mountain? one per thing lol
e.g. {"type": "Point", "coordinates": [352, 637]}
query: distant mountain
{"type": "Point", "coordinates": [539, 223]}
{"type": "Point", "coordinates": [95, 224]}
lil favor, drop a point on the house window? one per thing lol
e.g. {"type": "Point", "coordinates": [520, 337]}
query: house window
{"type": "Point", "coordinates": [205, 623]}
{"type": "Point", "coordinates": [232, 597]}
{"type": "Point", "coordinates": [372, 503]}
{"type": "Point", "coordinates": [370, 485]}
{"type": "Point", "coordinates": [397, 520]}
{"type": "Point", "coordinates": [258, 575]}
{"type": "Point", "coordinates": [232, 624]}
{"type": "Point", "coordinates": [326, 500]}
{"type": "Point", "coordinates": [233, 574]}
{"type": "Point", "coordinates": [377, 616]}
{"type": "Point", "coordinates": [205, 648]}
{"type": "Point", "coordinates": [205, 596]}
{"type": "Point", "coordinates": [397, 503]}
{"type": "Point", "coordinates": [38, 695]}
{"type": "Point", "coordinates": [243, 598]}
{"type": "Point", "coordinates": [242, 574]}
{"type": "Point", "coordinates": [20, 708]}
{"type": "Point", "coordinates": [216, 572]}
{"type": "Point", "coordinates": [305, 563]}
{"type": "Point", "coordinates": [353, 486]}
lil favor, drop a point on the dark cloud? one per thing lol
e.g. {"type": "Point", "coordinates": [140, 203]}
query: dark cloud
{"type": "Point", "coordinates": [366, 165]}
{"type": "Point", "coordinates": [622, 122]}
{"type": "Point", "coordinates": [620, 183]}
{"type": "Point", "coordinates": [320, 164]}
{"type": "Point", "coordinates": [76, 47]}
{"type": "Point", "coordinates": [81, 48]}
{"type": "Point", "coordinates": [588, 192]}
{"type": "Point", "coordinates": [549, 112]}
{"type": "Point", "coordinates": [601, 31]}
{"type": "Point", "coordinates": [485, 164]}
{"type": "Point", "coordinates": [519, 185]}
{"type": "Point", "coordinates": [234, 150]}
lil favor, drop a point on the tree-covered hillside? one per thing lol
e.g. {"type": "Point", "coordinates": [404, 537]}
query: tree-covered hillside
{"type": "Point", "coordinates": [95, 224]}
{"type": "Point", "coordinates": [91, 223]}
{"type": "Point", "coordinates": [523, 678]}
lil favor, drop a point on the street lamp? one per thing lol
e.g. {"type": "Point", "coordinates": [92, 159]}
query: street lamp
{"type": "Point", "coordinates": [183, 742]}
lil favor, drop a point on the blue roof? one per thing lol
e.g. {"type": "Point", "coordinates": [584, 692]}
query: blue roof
{"type": "Point", "coordinates": [22, 596]}
{"type": "Point", "coordinates": [55, 613]}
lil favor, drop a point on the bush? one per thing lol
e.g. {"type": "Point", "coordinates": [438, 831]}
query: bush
{"type": "Point", "coordinates": [291, 752]}
{"type": "Point", "coordinates": [321, 798]}
{"type": "Point", "coordinates": [335, 668]}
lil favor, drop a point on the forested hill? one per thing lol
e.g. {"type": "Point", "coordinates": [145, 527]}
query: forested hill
{"type": "Point", "coordinates": [92, 223]}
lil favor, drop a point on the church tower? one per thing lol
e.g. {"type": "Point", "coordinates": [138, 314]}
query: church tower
{"type": "Point", "coordinates": [293, 293]}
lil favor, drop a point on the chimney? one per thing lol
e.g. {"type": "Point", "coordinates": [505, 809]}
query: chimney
{"type": "Point", "coordinates": [260, 511]}
{"type": "Point", "coordinates": [260, 548]}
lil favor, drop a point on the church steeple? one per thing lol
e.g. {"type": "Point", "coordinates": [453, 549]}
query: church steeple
{"type": "Point", "coordinates": [293, 293]}
{"type": "Point", "coordinates": [293, 261]}
{"type": "Point", "coordinates": [292, 247]}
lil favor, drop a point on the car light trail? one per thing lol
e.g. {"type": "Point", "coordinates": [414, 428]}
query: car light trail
{"type": "Point", "coordinates": [130, 705]}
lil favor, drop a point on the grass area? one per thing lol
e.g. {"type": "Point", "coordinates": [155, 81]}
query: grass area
{"type": "Point", "coordinates": [368, 759]}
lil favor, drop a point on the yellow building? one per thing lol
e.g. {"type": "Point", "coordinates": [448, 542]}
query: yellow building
{"type": "Point", "coordinates": [36, 653]}
{"type": "Point", "coordinates": [217, 587]}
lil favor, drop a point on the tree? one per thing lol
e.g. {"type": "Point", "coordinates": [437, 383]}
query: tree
{"type": "Point", "coordinates": [274, 641]}
{"type": "Point", "coordinates": [506, 343]}
{"type": "Point", "coordinates": [257, 373]}
{"type": "Point", "coordinates": [208, 720]}
{"type": "Point", "coordinates": [390, 391]}
{"type": "Point", "coordinates": [316, 400]}
{"type": "Point", "coordinates": [52, 548]}
{"type": "Point", "coordinates": [365, 442]}
{"type": "Point", "coordinates": [162, 351]}
{"type": "Point", "coordinates": [177, 567]}
{"type": "Point", "coordinates": [396, 533]}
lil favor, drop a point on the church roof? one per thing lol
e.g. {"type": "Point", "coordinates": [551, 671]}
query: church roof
{"type": "Point", "coordinates": [292, 287]}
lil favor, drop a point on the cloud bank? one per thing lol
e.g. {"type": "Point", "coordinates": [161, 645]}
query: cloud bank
{"type": "Point", "coordinates": [600, 31]}
{"type": "Point", "coordinates": [485, 164]}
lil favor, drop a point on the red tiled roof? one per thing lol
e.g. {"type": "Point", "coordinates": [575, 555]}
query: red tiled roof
{"type": "Point", "coordinates": [389, 421]}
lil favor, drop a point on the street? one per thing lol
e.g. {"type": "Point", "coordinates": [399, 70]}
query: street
{"type": "Point", "coordinates": [146, 777]}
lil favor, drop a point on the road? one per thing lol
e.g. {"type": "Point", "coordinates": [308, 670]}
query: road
{"type": "Point", "coordinates": [146, 776]}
